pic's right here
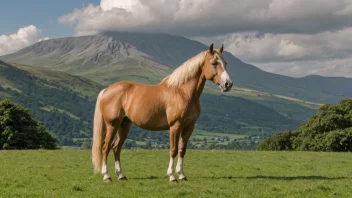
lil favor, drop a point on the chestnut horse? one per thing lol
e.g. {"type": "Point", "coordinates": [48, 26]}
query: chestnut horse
{"type": "Point", "coordinates": [172, 104]}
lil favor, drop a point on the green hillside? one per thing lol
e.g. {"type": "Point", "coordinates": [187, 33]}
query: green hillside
{"type": "Point", "coordinates": [65, 103]}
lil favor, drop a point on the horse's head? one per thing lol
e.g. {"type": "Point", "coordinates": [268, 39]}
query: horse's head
{"type": "Point", "coordinates": [214, 68]}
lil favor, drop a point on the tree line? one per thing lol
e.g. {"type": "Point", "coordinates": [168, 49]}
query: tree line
{"type": "Point", "coordinates": [329, 130]}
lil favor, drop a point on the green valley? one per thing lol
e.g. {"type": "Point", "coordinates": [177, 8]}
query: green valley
{"type": "Point", "coordinates": [65, 103]}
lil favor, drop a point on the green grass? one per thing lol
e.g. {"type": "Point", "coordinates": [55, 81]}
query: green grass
{"type": "Point", "coordinates": [205, 134]}
{"type": "Point", "coordinates": [67, 173]}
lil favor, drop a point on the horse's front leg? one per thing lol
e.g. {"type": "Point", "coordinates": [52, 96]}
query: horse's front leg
{"type": "Point", "coordinates": [175, 132]}
{"type": "Point", "coordinates": [185, 135]}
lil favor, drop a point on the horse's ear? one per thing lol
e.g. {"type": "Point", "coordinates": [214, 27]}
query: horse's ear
{"type": "Point", "coordinates": [211, 48]}
{"type": "Point", "coordinates": [221, 48]}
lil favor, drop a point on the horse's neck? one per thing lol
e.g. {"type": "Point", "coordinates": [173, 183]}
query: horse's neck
{"type": "Point", "coordinates": [194, 87]}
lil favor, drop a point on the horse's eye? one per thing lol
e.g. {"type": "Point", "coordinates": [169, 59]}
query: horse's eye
{"type": "Point", "coordinates": [213, 62]}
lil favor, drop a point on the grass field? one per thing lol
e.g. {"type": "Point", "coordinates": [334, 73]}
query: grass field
{"type": "Point", "coordinates": [210, 173]}
{"type": "Point", "coordinates": [205, 134]}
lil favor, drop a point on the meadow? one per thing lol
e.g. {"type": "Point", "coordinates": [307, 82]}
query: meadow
{"type": "Point", "coordinates": [68, 173]}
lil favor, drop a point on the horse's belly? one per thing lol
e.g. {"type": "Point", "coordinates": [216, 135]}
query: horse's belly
{"type": "Point", "coordinates": [157, 127]}
{"type": "Point", "coordinates": [153, 123]}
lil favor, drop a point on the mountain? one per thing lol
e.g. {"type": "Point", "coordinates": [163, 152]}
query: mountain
{"type": "Point", "coordinates": [100, 58]}
{"type": "Point", "coordinates": [147, 58]}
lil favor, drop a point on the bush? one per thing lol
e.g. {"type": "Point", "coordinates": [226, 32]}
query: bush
{"type": "Point", "coordinates": [18, 130]}
{"type": "Point", "coordinates": [279, 141]}
{"type": "Point", "coordinates": [340, 140]}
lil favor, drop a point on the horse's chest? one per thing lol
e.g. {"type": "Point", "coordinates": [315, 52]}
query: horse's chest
{"type": "Point", "coordinates": [183, 111]}
{"type": "Point", "coordinates": [191, 112]}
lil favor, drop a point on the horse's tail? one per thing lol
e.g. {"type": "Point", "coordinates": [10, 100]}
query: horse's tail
{"type": "Point", "coordinates": [98, 136]}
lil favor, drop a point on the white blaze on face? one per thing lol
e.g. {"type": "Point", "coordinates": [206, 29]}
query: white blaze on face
{"type": "Point", "coordinates": [224, 76]}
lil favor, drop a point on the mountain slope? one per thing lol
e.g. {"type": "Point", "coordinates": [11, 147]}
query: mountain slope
{"type": "Point", "coordinates": [147, 58]}
{"type": "Point", "coordinates": [100, 58]}
{"type": "Point", "coordinates": [174, 50]}
{"type": "Point", "coordinates": [64, 103]}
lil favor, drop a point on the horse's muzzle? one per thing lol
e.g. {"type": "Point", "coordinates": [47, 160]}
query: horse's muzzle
{"type": "Point", "coordinates": [226, 87]}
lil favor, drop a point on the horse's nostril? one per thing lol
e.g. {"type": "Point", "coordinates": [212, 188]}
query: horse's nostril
{"type": "Point", "coordinates": [226, 85]}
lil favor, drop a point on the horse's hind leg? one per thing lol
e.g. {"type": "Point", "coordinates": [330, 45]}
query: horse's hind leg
{"type": "Point", "coordinates": [122, 135]}
{"type": "Point", "coordinates": [109, 137]}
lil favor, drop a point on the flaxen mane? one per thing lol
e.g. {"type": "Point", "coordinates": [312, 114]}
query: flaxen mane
{"type": "Point", "coordinates": [186, 71]}
{"type": "Point", "coordinates": [189, 69]}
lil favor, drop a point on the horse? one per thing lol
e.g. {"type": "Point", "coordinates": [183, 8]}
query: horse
{"type": "Point", "coordinates": [173, 104]}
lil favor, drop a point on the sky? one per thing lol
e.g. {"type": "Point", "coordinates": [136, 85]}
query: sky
{"type": "Point", "coordinates": [290, 37]}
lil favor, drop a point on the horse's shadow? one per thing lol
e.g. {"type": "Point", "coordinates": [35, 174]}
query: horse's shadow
{"type": "Point", "coordinates": [286, 178]}
{"type": "Point", "coordinates": [147, 178]}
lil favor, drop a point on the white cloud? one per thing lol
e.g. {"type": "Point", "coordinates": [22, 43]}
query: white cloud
{"type": "Point", "coordinates": [209, 17]}
{"type": "Point", "coordinates": [22, 38]}
{"type": "Point", "coordinates": [291, 37]}
{"type": "Point", "coordinates": [255, 47]}
{"type": "Point", "coordinates": [111, 4]}
{"type": "Point", "coordinates": [326, 53]}
{"type": "Point", "coordinates": [329, 67]}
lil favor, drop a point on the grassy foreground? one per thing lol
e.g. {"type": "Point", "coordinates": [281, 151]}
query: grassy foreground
{"type": "Point", "coordinates": [211, 174]}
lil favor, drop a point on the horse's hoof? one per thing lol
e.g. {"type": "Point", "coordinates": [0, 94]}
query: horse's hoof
{"type": "Point", "coordinates": [173, 181]}
{"type": "Point", "coordinates": [184, 179]}
{"type": "Point", "coordinates": [107, 180]}
{"type": "Point", "coordinates": [123, 178]}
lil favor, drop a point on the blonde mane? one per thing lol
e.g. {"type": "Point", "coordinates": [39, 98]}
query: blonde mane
{"type": "Point", "coordinates": [186, 71]}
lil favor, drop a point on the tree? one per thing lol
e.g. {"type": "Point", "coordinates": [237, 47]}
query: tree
{"type": "Point", "coordinates": [18, 130]}
{"type": "Point", "coordinates": [86, 144]}
{"type": "Point", "coordinates": [279, 141]}
{"type": "Point", "coordinates": [329, 130]}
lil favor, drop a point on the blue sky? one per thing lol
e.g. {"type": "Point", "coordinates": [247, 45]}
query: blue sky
{"type": "Point", "coordinates": [289, 37]}
{"type": "Point", "coordinates": [43, 14]}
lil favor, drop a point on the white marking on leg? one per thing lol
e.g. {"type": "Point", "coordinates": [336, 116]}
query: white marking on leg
{"type": "Point", "coordinates": [179, 168]}
{"type": "Point", "coordinates": [104, 171]}
{"type": "Point", "coordinates": [170, 169]}
{"type": "Point", "coordinates": [118, 169]}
